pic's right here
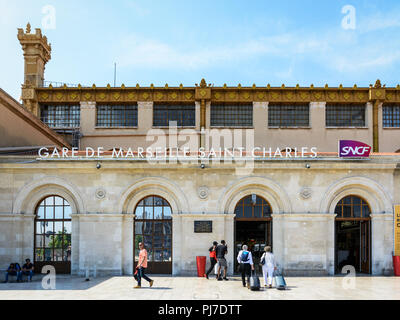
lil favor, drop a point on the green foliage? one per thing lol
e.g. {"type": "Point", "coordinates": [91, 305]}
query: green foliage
{"type": "Point", "coordinates": [60, 240]}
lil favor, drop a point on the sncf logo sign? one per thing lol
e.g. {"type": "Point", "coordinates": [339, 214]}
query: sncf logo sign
{"type": "Point", "coordinates": [354, 149]}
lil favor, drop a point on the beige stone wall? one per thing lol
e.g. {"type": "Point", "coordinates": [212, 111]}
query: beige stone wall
{"type": "Point", "coordinates": [110, 138]}
{"type": "Point", "coordinates": [16, 238]}
{"type": "Point", "coordinates": [303, 227]}
{"type": "Point", "coordinates": [304, 242]}
{"type": "Point", "coordinates": [317, 135]}
{"type": "Point", "coordinates": [389, 138]}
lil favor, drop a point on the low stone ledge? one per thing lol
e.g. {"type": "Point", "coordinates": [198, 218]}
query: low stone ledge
{"type": "Point", "coordinates": [99, 273]}
{"type": "Point", "coordinates": [306, 273]}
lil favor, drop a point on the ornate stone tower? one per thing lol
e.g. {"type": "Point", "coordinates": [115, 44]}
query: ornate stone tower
{"type": "Point", "coordinates": [37, 52]}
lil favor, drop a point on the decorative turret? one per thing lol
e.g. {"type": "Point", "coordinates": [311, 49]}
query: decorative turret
{"type": "Point", "coordinates": [37, 52]}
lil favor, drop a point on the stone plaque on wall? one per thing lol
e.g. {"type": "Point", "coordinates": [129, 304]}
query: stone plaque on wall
{"type": "Point", "coordinates": [203, 227]}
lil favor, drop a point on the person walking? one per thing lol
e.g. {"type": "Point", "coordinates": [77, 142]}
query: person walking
{"type": "Point", "coordinates": [221, 251]}
{"type": "Point", "coordinates": [141, 267]}
{"type": "Point", "coordinates": [213, 258]}
{"type": "Point", "coordinates": [245, 260]}
{"type": "Point", "coordinates": [268, 265]}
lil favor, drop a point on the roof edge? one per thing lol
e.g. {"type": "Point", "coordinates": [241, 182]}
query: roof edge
{"type": "Point", "coordinates": [15, 107]}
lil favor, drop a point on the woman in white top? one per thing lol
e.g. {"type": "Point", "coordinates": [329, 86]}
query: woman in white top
{"type": "Point", "coordinates": [269, 266]}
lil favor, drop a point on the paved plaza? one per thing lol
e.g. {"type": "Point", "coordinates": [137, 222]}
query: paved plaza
{"type": "Point", "coordinates": [181, 288]}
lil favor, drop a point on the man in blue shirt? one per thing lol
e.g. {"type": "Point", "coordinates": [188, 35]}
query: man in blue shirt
{"type": "Point", "coordinates": [13, 270]}
{"type": "Point", "coordinates": [246, 263]}
{"type": "Point", "coordinates": [27, 269]}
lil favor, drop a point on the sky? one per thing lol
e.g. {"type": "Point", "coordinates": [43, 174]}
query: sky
{"type": "Point", "coordinates": [224, 41]}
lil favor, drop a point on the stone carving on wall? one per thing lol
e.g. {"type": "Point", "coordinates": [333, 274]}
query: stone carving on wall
{"type": "Point", "coordinates": [203, 193]}
{"type": "Point", "coordinates": [306, 193]}
{"type": "Point", "coordinates": [100, 194]}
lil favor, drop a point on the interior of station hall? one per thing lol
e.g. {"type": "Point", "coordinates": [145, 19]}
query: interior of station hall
{"type": "Point", "coordinates": [318, 214]}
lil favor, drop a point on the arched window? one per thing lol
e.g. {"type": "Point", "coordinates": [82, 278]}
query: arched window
{"type": "Point", "coordinates": [253, 207]}
{"type": "Point", "coordinates": [353, 207]}
{"type": "Point", "coordinates": [153, 227]}
{"type": "Point", "coordinates": [53, 233]}
{"type": "Point", "coordinates": [353, 234]}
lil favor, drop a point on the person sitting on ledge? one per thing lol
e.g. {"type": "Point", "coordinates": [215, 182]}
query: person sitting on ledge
{"type": "Point", "coordinates": [27, 269]}
{"type": "Point", "coordinates": [12, 271]}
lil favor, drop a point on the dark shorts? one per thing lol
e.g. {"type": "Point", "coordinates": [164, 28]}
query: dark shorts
{"type": "Point", "coordinates": [222, 262]}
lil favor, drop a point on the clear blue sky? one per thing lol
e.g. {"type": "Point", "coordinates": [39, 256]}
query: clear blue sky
{"type": "Point", "coordinates": [228, 41]}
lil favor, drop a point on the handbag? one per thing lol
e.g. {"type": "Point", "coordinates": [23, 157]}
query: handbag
{"type": "Point", "coordinates": [262, 262]}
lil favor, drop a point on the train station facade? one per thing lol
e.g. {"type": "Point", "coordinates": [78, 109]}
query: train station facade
{"type": "Point", "coordinates": [250, 165]}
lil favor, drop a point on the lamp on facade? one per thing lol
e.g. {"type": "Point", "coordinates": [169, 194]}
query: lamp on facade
{"type": "Point", "coordinates": [253, 200]}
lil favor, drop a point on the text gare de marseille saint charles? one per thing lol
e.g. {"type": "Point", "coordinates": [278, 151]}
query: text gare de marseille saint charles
{"type": "Point", "coordinates": [142, 153]}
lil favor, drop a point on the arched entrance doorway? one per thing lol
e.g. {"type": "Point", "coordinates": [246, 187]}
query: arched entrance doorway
{"type": "Point", "coordinates": [153, 227]}
{"type": "Point", "coordinates": [52, 242]}
{"type": "Point", "coordinates": [353, 234]}
{"type": "Point", "coordinates": [253, 226]}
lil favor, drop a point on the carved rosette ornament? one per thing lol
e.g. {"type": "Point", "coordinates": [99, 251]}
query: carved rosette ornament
{"type": "Point", "coordinates": [203, 193]}
{"type": "Point", "coordinates": [306, 193]}
{"type": "Point", "coordinates": [100, 194]}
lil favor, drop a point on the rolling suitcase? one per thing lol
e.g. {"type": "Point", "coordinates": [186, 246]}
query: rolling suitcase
{"type": "Point", "coordinates": [255, 284]}
{"type": "Point", "coordinates": [280, 281]}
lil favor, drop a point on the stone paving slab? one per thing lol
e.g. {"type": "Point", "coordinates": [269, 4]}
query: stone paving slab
{"type": "Point", "coordinates": [181, 288]}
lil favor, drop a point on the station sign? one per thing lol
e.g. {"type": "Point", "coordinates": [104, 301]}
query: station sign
{"type": "Point", "coordinates": [354, 149]}
{"type": "Point", "coordinates": [397, 231]}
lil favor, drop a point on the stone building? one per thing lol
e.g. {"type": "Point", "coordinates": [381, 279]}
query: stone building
{"type": "Point", "coordinates": [317, 210]}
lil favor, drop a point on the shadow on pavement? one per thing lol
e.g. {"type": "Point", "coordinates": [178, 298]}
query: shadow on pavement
{"type": "Point", "coordinates": [63, 283]}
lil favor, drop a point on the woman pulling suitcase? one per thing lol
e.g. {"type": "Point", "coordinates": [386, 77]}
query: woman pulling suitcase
{"type": "Point", "coordinates": [269, 266]}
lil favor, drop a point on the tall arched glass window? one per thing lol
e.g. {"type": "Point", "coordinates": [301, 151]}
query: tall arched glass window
{"type": "Point", "coordinates": [53, 231]}
{"type": "Point", "coordinates": [153, 227]}
{"type": "Point", "coordinates": [253, 207]}
{"type": "Point", "coordinates": [353, 207]}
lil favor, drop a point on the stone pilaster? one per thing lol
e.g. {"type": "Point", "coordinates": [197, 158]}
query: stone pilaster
{"type": "Point", "coordinates": [127, 243]}
{"type": "Point", "coordinates": [260, 114]}
{"type": "Point", "coordinates": [382, 240]}
{"type": "Point", "coordinates": [230, 240]}
{"type": "Point", "coordinates": [100, 243]}
{"type": "Point", "coordinates": [88, 117]}
{"type": "Point", "coordinates": [16, 238]}
{"type": "Point", "coordinates": [176, 244]}
{"type": "Point", "coordinates": [145, 115]}
{"type": "Point", "coordinates": [304, 243]}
